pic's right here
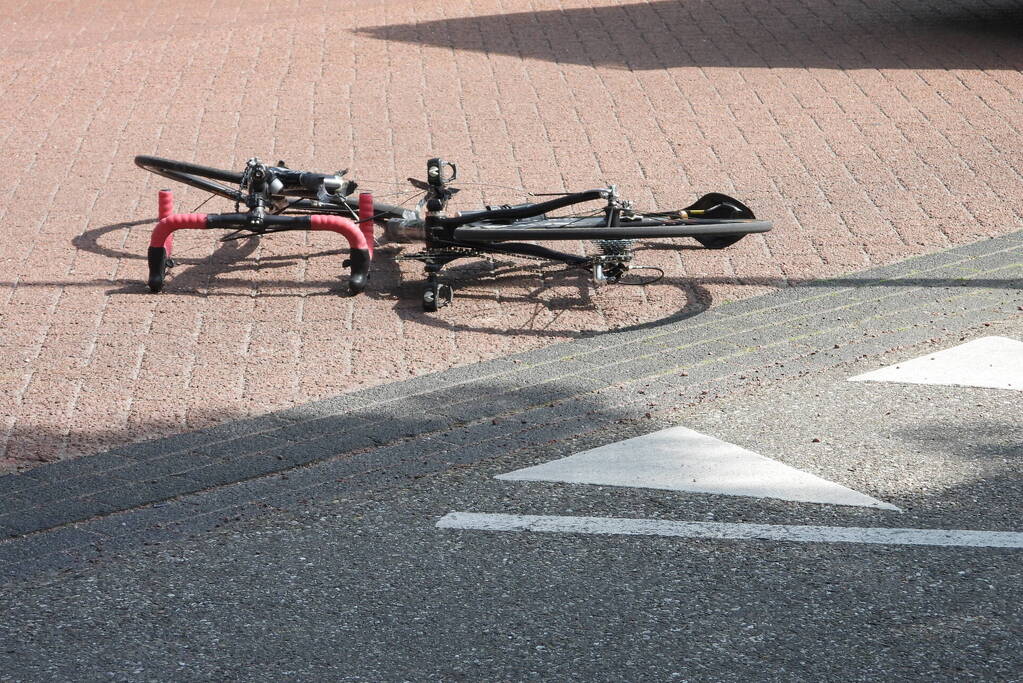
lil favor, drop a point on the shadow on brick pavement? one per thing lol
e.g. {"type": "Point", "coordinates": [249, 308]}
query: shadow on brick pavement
{"type": "Point", "coordinates": [726, 33]}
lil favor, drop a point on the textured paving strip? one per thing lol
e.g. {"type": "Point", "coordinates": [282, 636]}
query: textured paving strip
{"type": "Point", "coordinates": [404, 430]}
{"type": "Point", "coordinates": [720, 530]}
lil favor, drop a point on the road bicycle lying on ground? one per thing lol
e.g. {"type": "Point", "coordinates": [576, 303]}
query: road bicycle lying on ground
{"type": "Point", "coordinates": [272, 199]}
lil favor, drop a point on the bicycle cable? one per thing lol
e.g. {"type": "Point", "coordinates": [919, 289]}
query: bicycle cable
{"type": "Point", "coordinates": [460, 183]}
{"type": "Point", "coordinates": [578, 217]}
{"type": "Point", "coordinates": [384, 213]}
{"type": "Point", "coordinates": [203, 203]}
{"type": "Point", "coordinates": [644, 283]}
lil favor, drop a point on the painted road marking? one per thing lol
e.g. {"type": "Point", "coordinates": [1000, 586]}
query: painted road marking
{"type": "Point", "coordinates": [989, 362]}
{"type": "Point", "coordinates": [680, 459]}
{"type": "Point", "coordinates": [728, 531]}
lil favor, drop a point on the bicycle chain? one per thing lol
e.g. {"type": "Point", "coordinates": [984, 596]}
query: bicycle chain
{"type": "Point", "coordinates": [429, 255]}
{"type": "Point", "coordinates": [613, 254]}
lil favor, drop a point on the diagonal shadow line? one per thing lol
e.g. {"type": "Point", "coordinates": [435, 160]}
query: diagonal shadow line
{"type": "Point", "coordinates": [229, 256]}
{"type": "Point", "coordinates": [983, 440]}
{"type": "Point", "coordinates": [665, 34]}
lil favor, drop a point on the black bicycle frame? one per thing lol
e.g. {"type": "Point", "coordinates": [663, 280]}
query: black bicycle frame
{"type": "Point", "coordinates": [439, 229]}
{"type": "Point", "coordinates": [515, 213]}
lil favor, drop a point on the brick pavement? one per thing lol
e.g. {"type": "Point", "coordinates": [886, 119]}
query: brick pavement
{"type": "Point", "coordinates": [867, 132]}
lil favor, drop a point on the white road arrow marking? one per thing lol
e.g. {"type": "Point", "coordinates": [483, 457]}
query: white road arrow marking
{"type": "Point", "coordinates": [680, 459]}
{"type": "Point", "coordinates": [989, 362]}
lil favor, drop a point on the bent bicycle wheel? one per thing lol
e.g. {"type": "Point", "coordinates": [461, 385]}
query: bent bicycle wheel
{"type": "Point", "coordinates": [573, 229]}
{"type": "Point", "coordinates": [213, 180]}
{"type": "Point", "coordinates": [202, 177]}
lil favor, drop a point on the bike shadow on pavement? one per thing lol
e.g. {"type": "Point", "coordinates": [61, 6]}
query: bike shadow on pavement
{"type": "Point", "coordinates": [194, 275]}
{"type": "Point", "coordinates": [541, 293]}
{"type": "Point", "coordinates": [548, 300]}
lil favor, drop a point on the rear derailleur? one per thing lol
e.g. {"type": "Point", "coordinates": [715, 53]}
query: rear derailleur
{"type": "Point", "coordinates": [614, 261]}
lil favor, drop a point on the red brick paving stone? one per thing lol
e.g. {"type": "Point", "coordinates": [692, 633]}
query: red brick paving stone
{"type": "Point", "coordinates": [867, 132]}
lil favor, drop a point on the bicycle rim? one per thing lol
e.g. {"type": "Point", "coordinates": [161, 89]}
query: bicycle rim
{"type": "Point", "coordinates": [204, 178]}
{"type": "Point", "coordinates": [647, 229]}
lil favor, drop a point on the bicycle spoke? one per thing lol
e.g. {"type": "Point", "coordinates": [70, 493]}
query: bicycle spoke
{"type": "Point", "coordinates": [236, 235]}
{"type": "Point", "coordinates": [644, 283]}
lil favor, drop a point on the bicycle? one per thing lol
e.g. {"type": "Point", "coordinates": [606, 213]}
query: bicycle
{"type": "Point", "coordinates": [273, 195]}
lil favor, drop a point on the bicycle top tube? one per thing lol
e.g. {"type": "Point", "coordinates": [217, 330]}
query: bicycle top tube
{"type": "Point", "coordinates": [517, 213]}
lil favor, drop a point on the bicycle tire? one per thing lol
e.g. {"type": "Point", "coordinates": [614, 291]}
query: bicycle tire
{"type": "Point", "coordinates": [550, 230]}
{"type": "Point", "coordinates": [195, 175]}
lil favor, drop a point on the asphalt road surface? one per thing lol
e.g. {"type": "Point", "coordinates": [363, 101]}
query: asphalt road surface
{"type": "Point", "coordinates": [365, 586]}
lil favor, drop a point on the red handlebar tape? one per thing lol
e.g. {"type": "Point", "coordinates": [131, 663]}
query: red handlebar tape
{"type": "Point", "coordinates": [163, 233]}
{"type": "Point", "coordinates": [166, 203]}
{"type": "Point", "coordinates": [342, 226]}
{"type": "Point", "coordinates": [166, 208]}
{"type": "Point", "coordinates": [366, 219]}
